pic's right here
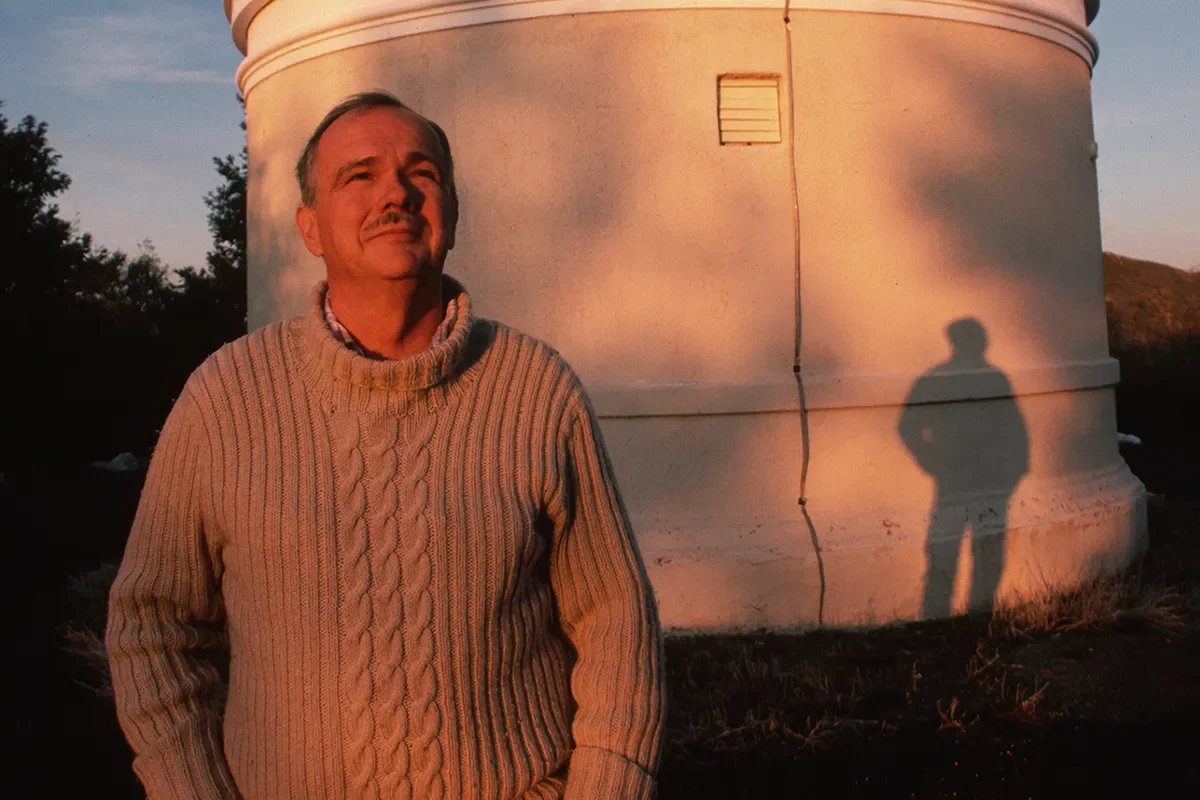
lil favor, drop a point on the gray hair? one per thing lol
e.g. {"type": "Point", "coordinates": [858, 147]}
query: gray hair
{"type": "Point", "coordinates": [360, 102]}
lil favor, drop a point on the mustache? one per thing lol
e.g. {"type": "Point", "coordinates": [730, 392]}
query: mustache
{"type": "Point", "coordinates": [393, 218]}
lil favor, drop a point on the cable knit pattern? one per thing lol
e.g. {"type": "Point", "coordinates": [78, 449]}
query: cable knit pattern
{"type": "Point", "coordinates": [358, 689]}
{"type": "Point", "coordinates": [427, 576]}
{"type": "Point", "coordinates": [418, 600]}
{"type": "Point", "coordinates": [390, 680]}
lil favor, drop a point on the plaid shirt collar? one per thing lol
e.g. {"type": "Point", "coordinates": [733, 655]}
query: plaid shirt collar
{"type": "Point", "coordinates": [347, 338]}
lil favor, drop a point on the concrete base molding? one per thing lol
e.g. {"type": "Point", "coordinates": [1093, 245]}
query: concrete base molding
{"type": "Point", "coordinates": [717, 576]}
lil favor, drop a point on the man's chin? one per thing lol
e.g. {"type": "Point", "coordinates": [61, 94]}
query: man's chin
{"type": "Point", "coordinates": [399, 268]}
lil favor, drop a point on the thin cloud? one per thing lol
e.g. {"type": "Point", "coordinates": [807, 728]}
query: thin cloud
{"type": "Point", "coordinates": [166, 45]}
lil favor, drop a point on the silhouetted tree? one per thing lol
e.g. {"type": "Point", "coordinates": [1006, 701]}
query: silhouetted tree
{"type": "Point", "coordinates": [101, 342]}
{"type": "Point", "coordinates": [43, 260]}
{"type": "Point", "coordinates": [219, 292]}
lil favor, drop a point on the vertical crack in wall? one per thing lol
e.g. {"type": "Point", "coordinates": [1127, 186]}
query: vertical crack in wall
{"type": "Point", "coordinates": [805, 450]}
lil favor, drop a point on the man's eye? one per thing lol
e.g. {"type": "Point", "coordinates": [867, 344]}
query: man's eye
{"type": "Point", "coordinates": [358, 175]}
{"type": "Point", "coordinates": [428, 173]}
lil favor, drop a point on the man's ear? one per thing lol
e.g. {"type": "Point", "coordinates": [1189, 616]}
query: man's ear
{"type": "Point", "coordinates": [306, 223]}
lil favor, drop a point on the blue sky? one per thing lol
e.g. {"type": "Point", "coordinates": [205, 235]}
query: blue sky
{"type": "Point", "coordinates": [1146, 107]}
{"type": "Point", "coordinates": [139, 97]}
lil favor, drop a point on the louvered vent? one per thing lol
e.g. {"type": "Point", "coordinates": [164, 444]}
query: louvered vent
{"type": "Point", "coordinates": [748, 109]}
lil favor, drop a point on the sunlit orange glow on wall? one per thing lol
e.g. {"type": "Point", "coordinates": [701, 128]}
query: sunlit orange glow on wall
{"type": "Point", "coordinates": [943, 174]}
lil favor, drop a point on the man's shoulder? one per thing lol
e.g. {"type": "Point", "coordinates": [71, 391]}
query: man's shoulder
{"type": "Point", "coordinates": [517, 350]}
{"type": "Point", "coordinates": [517, 361]}
{"type": "Point", "coordinates": [250, 357]}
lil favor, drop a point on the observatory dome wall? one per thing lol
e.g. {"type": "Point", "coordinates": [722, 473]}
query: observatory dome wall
{"type": "Point", "coordinates": [933, 175]}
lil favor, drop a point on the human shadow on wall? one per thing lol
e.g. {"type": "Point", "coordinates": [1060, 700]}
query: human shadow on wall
{"type": "Point", "coordinates": [963, 454]}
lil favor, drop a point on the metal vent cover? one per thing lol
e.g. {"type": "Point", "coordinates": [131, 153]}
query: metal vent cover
{"type": "Point", "coordinates": [748, 109]}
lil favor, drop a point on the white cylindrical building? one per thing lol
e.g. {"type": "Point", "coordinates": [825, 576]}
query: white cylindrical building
{"type": "Point", "coordinates": [830, 270]}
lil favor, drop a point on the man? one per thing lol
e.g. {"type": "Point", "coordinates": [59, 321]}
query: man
{"type": "Point", "coordinates": [404, 518]}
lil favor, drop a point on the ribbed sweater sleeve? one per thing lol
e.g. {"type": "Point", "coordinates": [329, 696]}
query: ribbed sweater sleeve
{"type": "Point", "coordinates": [608, 611]}
{"type": "Point", "coordinates": [165, 611]}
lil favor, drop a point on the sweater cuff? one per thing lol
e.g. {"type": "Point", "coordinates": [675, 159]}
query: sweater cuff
{"type": "Point", "coordinates": [599, 774]}
{"type": "Point", "coordinates": [188, 764]}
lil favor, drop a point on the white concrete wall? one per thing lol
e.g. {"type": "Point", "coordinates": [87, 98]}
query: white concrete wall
{"type": "Point", "coordinates": [943, 173]}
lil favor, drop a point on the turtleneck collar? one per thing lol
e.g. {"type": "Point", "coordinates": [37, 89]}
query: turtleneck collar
{"type": "Point", "coordinates": [355, 382]}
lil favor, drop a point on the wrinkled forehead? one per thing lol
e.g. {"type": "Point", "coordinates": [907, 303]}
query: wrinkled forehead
{"type": "Point", "coordinates": [376, 132]}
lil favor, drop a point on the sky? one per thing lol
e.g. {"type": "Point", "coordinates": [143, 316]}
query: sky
{"type": "Point", "coordinates": [139, 97]}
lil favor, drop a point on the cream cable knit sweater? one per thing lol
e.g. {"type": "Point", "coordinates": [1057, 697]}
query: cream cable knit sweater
{"type": "Point", "coordinates": [424, 566]}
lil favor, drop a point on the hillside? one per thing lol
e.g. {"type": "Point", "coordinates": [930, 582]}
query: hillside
{"type": "Point", "coordinates": [1154, 331]}
{"type": "Point", "coordinates": [1150, 304]}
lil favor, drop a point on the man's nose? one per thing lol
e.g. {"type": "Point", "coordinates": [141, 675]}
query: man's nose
{"type": "Point", "coordinates": [402, 192]}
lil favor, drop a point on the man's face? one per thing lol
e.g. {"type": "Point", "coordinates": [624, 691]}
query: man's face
{"type": "Point", "coordinates": [383, 206]}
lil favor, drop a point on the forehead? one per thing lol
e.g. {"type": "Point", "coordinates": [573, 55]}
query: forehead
{"type": "Point", "coordinates": [375, 132]}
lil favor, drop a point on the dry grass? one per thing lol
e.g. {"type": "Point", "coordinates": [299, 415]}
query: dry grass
{"type": "Point", "coordinates": [755, 730]}
{"type": "Point", "coordinates": [952, 717]}
{"type": "Point", "coordinates": [1105, 602]}
{"type": "Point", "coordinates": [766, 690]}
{"type": "Point", "coordinates": [1018, 700]}
{"type": "Point", "coordinates": [982, 661]}
{"type": "Point", "coordinates": [89, 649]}
{"type": "Point", "coordinates": [83, 635]}
{"type": "Point", "coordinates": [1028, 663]}
{"type": "Point", "coordinates": [773, 698]}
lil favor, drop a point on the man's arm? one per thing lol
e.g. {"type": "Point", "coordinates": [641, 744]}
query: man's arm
{"type": "Point", "coordinates": [164, 610]}
{"type": "Point", "coordinates": [608, 611]}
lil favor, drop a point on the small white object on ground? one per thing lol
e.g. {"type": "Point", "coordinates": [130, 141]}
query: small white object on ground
{"type": "Point", "coordinates": [123, 462]}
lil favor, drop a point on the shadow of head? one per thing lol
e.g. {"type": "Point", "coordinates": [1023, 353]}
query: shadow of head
{"type": "Point", "coordinates": [968, 339]}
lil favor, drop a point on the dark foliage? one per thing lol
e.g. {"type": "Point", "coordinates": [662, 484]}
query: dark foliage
{"type": "Point", "coordinates": [218, 293]}
{"type": "Point", "coordinates": [1154, 331]}
{"type": "Point", "coordinates": [100, 342]}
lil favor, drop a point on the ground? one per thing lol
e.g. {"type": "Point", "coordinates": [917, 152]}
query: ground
{"type": "Point", "coordinates": [1095, 691]}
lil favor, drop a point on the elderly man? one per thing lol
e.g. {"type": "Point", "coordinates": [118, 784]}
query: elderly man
{"type": "Point", "coordinates": [405, 520]}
